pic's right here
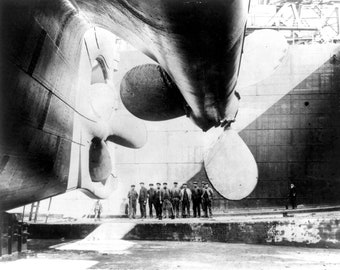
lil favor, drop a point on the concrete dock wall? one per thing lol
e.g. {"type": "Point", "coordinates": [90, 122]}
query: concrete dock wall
{"type": "Point", "coordinates": [306, 232]}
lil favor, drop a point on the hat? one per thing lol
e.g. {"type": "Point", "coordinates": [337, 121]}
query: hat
{"type": "Point", "coordinates": [141, 183]}
{"type": "Point", "coordinates": [151, 184]}
{"type": "Point", "coordinates": [165, 183]}
{"type": "Point", "coordinates": [175, 183]}
{"type": "Point", "coordinates": [132, 185]}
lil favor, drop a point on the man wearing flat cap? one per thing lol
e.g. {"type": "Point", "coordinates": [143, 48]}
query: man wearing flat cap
{"type": "Point", "coordinates": [185, 199]}
{"type": "Point", "coordinates": [167, 206]}
{"type": "Point", "coordinates": [196, 196]}
{"type": "Point", "coordinates": [151, 199]}
{"type": "Point", "coordinates": [132, 196]}
{"type": "Point", "coordinates": [207, 197]}
{"type": "Point", "coordinates": [143, 197]}
{"type": "Point", "coordinates": [158, 200]}
{"type": "Point", "coordinates": [175, 198]}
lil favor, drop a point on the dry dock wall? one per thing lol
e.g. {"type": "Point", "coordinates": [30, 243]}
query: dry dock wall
{"type": "Point", "coordinates": [306, 232]}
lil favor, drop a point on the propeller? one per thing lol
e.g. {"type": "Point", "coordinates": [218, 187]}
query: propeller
{"type": "Point", "coordinates": [102, 122]}
{"type": "Point", "coordinates": [125, 130]}
{"type": "Point", "coordinates": [231, 167]}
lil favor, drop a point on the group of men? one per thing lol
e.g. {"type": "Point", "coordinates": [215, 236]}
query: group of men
{"type": "Point", "coordinates": [167, 201]}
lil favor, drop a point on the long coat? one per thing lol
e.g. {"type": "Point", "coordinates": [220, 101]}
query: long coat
{"type": "Point", "coordinates": [152, 195]}
{"type": "Point", "coordinates": [188, 192]}
{"type": "Point", "coordinates": [196, 194]}
{"type": "Point", "coordinates": [159, 196]}
{"type": "Point", "coordinates": [143, 195]}
{"type": "Point", "coordinates": [132, 195]}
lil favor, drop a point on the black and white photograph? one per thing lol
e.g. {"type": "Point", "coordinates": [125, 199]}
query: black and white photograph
{"type": "Point", "coordinates": [170, 134]}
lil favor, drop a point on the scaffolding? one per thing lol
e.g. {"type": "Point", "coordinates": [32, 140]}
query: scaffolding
{"type": "Point", "coordinates": [301, 21]}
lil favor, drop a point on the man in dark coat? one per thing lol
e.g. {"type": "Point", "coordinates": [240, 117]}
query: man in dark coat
{"type": "Point", "coordinates": [292, 196]}
{"type": "Point", "coordinates": [132, 196]}
{"type": "Point", "coordinates": [143, 196]}
{"type": "Point", "coordinates": [207, 197]}
{"type": "Point", "coordinates": [167, 206]}
{"type": "Point", "coordinates": [196, 196]}
{"type": "Point", "coordinates": [185, 199]}
{"type": "Point", "coordinates": [175, 198]}
{"type": "Point", "coordinates": [151, 199]}
{"type": "Point", "coordinates": [159, 201]}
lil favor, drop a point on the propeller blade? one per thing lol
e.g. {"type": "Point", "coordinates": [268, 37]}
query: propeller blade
{"type": "Point", "coordinates": [149, 93]}
{"type": "Point", "coordinates": [100, 164]}
{"type": "Point", "coordinates": [263, 53]}
{"type": "Point", "coordinates": [127, 131]}
{"type": "Point", "coordinates": [231, 167]}
{"type": "Point", "coordinates": [102, 100]}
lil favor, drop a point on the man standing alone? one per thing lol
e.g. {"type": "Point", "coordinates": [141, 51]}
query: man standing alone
{"type": "Point", "coordinates": [185, 199]}
{"type": "Point", "coordinates": [292, 195]}
{"type": "Point", "coordinates": [151, 199]}
{"type": "Point", "coordinates": [143, 196]}
{"type": "Point", "coordinates": [132, 196]}
{"type": "Point", "coordinates": [196, 195]}
{"type": "Point", "coordinates": [98, 208]}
